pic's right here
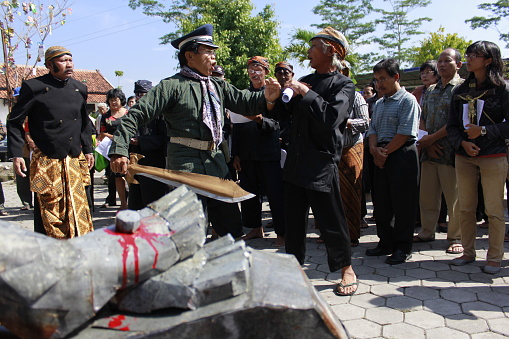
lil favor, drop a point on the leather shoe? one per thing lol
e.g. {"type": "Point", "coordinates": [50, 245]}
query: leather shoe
{"type": "Point", "coordinates": [491, 269]}
{"type": "Point", "coordinates": [374, 252]}
{"type": "Point", "coordinates": [398, 257]}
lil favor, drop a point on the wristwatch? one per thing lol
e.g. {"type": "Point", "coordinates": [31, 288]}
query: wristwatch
{"type": "Point", "coordinates": [483, 131]}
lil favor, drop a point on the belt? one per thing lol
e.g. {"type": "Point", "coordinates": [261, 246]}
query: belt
{"type": "Point", "coordinates": [202, 145]}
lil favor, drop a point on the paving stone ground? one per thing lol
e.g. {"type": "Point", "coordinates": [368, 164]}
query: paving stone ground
{"type": "Point", "coordinates": [423, 298]}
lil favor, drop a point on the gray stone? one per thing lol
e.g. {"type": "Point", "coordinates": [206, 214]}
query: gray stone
{"type": "Point", "coordinates": [481, 310]}
{"type": "Point", "coordinates": [367, 300]}
{"type": "Point", "coordinates": [437, 283]}
{"type": "Point", "coordinates": [458, 295]}
{"type": "Point", "coordinates": [390, 271]}
{"type": "Point", "coordinates": [421, 273]}
{"type": "Point", "coordinates": [362, 328]}
{"type": "Point", "coordinates": [348, 312]}
{"type": "Point", "coordinates": [424, 319]}
{"type": "Point", "coordinates": [384, 315]}
{"type": "Point", "coordinates": [421, 293]}
{"type": "Point", "coordinates": [488, 335]}
{"type": "Point", "coordinates": [405, 281]}
{"type": "Point", "coordinates": [435, 266]}
{"type": "Point", "coordinates": [373, 279]}
{"type": "Point", "coordinates": [500, 326]}
{"type": "Point", "coordinates": [454, 276]}
{"type": "Point", "coordinates": [127, 221]}
{"type": "Point", "coordinates": [497, 299]}
{"type": "Point", "coordinates": [444, 332]}
{"type": "Point", "coordinates": [467, 323]}
{"type": "Point", "coordinates": [404, 303]}
{"type": "Point", "coordinates": [442, 307]}
{"type": "Point", "coordinates": [402, 330]}
{"type": "Point", "coordinates": [387, 290]}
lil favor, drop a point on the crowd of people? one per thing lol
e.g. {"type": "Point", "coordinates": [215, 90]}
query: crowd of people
{"type": "Point", "coordinates": [321, 146]}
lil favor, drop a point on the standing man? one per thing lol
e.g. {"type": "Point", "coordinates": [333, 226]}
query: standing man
{"type": "Point", "coordinates": [392, 134]}
{"type": "Point", "coordinates": [193, 106]}
{"type": "Point", "coordinates": [437, 172]}
{"type": "Point", "coordinates": [320, 109]}
{"type": "Point", "coordinates": [256, 151]}
{"type": "Point", "coordinates": [55, 105]}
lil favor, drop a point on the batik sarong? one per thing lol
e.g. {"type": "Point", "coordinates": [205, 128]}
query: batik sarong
{"type": "Point", "coordinates": [59, 185]}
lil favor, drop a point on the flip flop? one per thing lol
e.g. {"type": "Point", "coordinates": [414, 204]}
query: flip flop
{"type": "Point", "coordinates": [451, 248]}
{"type": "Point", "coordinates": [336, 292]}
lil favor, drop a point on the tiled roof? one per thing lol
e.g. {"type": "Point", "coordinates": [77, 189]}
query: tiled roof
{"type": "Point", "coordinates": [95, 81]}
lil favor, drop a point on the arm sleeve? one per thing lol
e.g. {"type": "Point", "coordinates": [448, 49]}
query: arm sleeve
{"type": "Point", "coordinates": [454, 128]}
{"type": "Point", "coordinates": [15, 130]}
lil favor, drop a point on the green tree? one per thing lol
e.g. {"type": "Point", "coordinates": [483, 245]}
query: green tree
{"type": "Point", "coordinates": [239, 33]}
{"type": "Point", "coordinates": [499, 11]}
{"type": "Point", "coordinates": [399, 29]}
{"type": "Point", "coordinates": [431, 47]}
{"type": "Point", "coordinates": [20, 25]}
{"type": "Point", "coordinates": [299, 44]}
{"type": "Point", "coordinates": [350, 17]}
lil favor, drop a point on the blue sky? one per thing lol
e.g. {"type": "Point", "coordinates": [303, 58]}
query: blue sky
{"type": "Point", "coordinates": [109, 36]}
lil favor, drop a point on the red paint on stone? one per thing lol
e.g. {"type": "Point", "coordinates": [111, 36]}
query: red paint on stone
{"type": "Point", "coordinates": [117, 323]}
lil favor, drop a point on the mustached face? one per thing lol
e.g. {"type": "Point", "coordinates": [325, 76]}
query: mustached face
{"type": "Point", "coordinates": [61, 67]}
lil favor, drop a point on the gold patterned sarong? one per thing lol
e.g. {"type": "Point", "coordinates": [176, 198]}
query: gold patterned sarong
{"type": "Point", "coordinates": [60, 188]}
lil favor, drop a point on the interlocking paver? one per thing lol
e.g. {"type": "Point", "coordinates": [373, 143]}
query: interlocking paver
{"type": "Point", "coordinates": [488, 335]}
{"type": "Point", "coordinates": [467, 323]}
{"type": "Point", "coordinates": [437, 283]}
{"type": "Point", "coordinates": [445, 332]}
{"type": "Point", "coordinates": [442, 307]}
{"type": "Point", "coordinates": [315, 274]}
{"type": "Point", "coordinates": [453, 276]}
{"type": "Point", "coordinates": [348, 312]}
{"type": "Point", "coordinates": [384, 315]}
{"type": "Point", "coordinates": [482, 310]}
{"type": "Point", "coordinates": [497, 299]}
{"type": "Point", "coordinates": [500, 326]}
{"type": "Point", "coordinates": [404, 303]}
{"type": "Point", "coordinates": [367, 300]}
{"type": "Point", "coordinates": [373, 279]}
{"type": "Point", "coordinates": [390, 271]}
{"type": "Point", "coordinates": [403, 330]}
{"type": "Point", "coordinates": [424, 319]}
{"type": "Point", "coordinates": [421, 293]}
{"type": "Point", "coordinates": [435, 266]}
{"type": "Point", "coordinates": [362, 328]}
{"type": "Point", "coordinates": [421, 273]}
{"type": "Point", "coordinates": [458, 295]}
{"type": "Point", "coordinates": [387, 290]}
{"type": "Point", "coordinates": [405, 281]}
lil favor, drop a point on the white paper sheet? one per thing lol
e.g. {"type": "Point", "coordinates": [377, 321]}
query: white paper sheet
{"type": "Point", "coordinates": [104, 147]}
{"type": "Point", "coordinates": [421, 134]}
{"type": "Point", "coordinates": [238, 118]}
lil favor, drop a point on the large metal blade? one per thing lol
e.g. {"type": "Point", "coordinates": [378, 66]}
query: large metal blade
{"type": "Point", "coordinates": [206, 185]}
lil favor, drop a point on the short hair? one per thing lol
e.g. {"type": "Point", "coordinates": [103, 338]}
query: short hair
{"type": "Point", "coordinates": [131, 97]}
{"type": "Point", "coordinates": [116, 93]}
{"type": "Point", "coordinates": [431, 64]}
{"type": "Point", "coordinates": [192, 47]}
{"type": "Point", "coordinates": [101, 104]}
{"type": "Point", "coordinates": [457, 54]}
{"type": "Point", "coordinates": [390, 65]}
{"type": "Point", "coordinates": [372, 85]}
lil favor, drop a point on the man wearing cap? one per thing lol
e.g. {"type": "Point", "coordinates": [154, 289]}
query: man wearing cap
{"type": "Point", "coordinates": [150, 142]}
{"type": "Point", "coordinates": [284, 75]}
{"type": "Point", "coordinates": [319, 110]}
{"type": "Point", "coordinates": [55, 105]}
{"type": "Point", "coordinates": [192, 104]}
{"type": "Point", "coordinates": [256, 151]}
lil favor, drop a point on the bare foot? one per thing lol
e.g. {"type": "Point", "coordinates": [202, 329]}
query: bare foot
{"type": "Point", "coordinates": [349, 284]}
{"type": "Point", "coordinates": [255, 233]}
{"type": "Point", "coordinates": [280, 241]}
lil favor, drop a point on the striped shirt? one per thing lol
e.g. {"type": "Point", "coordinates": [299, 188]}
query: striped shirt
{"type": "Point", "coordinates": [359, 121]}
{"type": "Point", "coordinates": [397, 114]}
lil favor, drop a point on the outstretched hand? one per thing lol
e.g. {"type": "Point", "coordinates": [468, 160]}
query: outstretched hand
{"type": "Point", "coordinates": [272, 89]}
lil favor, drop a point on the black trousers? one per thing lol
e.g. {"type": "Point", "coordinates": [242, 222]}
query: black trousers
{"type": "Point", "coordinates": [395, 196]}
{"type": "Point", "coordinates": [224, 217]}
{"type": "Point", "coordinates": [148, 190]}
{"type": "Point", "coordinates": [262, 178]}
{"type": "Point", "coordinates": [329, 215]}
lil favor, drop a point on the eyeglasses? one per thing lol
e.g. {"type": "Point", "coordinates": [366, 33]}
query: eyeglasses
{"type": "Point", "coordinates": [252, 71]}
{"type": "Point", "coordinates": [210, 52]}
{"type": "Point", "coordinates": [427, 73]}
{"type": "Point", "coordinates": [473, 56]}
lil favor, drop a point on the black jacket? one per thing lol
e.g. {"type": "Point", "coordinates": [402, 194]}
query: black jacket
{"type": "Point", "coordinates": [57, 118]}
{"type": "Point", "coordinates": [496, 106]}
{"type": "Point", "coordinates": [318, 123]}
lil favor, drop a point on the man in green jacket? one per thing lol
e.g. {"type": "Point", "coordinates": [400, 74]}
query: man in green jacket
{"type": "Point", "coordinates": [193, 104]}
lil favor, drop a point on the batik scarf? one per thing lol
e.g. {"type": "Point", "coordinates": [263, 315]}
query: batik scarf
{"type": "Point", "coordinates": [211, 108]}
